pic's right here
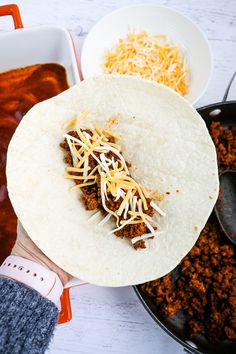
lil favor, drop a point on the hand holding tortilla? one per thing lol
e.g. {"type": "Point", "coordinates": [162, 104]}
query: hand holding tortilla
{"type": "Point", "coordinates": [24, 247]}
{"type": "Point", "coordinates": [171, 154]}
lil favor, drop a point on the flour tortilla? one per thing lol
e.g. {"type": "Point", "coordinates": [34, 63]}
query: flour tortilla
{"type": "Point", "coordinates": [171, 151]}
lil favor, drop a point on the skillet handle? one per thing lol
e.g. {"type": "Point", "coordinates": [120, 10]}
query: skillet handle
{"type": "Point", "coordinates": [228, 87]}
{"type": "Point", "coordinates": [12, 10]}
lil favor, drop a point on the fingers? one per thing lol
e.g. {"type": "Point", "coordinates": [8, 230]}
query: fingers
{"type": "Point", "coordinates": [20, 230]}
{"type": "Point", "coordinates": [26, 248]}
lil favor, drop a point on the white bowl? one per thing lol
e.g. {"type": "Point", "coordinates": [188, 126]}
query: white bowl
{"type": "Point", "coordinates": [155, 20]}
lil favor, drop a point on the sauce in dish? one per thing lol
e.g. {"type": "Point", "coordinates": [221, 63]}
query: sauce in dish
{"type": "Point", "coordinates": [21, 89]}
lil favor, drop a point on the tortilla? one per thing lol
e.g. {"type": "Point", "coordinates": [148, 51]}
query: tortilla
{"type": "Point", "coordinates": [170, 149]}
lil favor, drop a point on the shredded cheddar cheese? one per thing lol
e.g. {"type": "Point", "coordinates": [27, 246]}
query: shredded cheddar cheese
{"type": "Point", "coordinates": [113, 174]}
{"type": "Point", "coordinates": [83, 185]}
{"type": "Point", "coordinates": [151, 57]}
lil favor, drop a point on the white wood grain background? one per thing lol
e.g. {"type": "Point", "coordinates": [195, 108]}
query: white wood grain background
{"type": "Point", "coordinates": [108, 320]}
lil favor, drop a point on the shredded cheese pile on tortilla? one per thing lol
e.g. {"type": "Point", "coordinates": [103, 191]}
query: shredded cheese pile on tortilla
{"type": "Point", "coordinates": [149, 57]}
{"type": "Point", "coordinates": [114, 177]}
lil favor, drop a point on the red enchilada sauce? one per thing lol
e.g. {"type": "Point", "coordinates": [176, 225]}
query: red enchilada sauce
{"type": "Point", "coordinates": [21, 89]}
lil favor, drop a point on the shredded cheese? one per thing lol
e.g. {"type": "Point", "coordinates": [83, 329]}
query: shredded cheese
{"type": "Point", "coordinates": [140, 221]}
{"type": "Point", "coordinates": [145, 236]}
{"type": "Point", "coordinates": [79, 177]}
{"type": "Point", "coordinates": [75, 169]}
{"type": "Point", "coordinates": [156, 207]}
{"type": "Point", "coordinates": [149, 226]}
{"type": "Point", "coordinates": [114, 178]}
{"type": "Point", "coordinates": [151, 57]}
{"type": "Point", "coordinates": [142, 215]}
{"type": "Point", "coordinates": [91, 173]}
{"type": "Point", "coordinates": [124, 203]}
{"type": "Point", "coordinates": [94, 216]}
{"type": "Point", "coordinates": [122, 225]}
{"type": "Point", "coordinates": [83, 185]}
{"type": "Point", "coordinates": [134, 203]}
{"type": "Point", "coordinates": [104, 220]}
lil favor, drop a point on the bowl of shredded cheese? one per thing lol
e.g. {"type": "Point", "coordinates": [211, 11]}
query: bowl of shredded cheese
{"type": "Point", "coordinates": [152, 42]}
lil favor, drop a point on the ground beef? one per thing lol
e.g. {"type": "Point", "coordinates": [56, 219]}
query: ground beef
{"type": "Point", "coordinates": [91, 196]}
{"type": "Point", "coordinates": [64, 145]}
{"type": "Point", "coordinates": [91, 201]}
{"type": "Point", "coordinates": [225, 142]}
{"type": "Point", "coordinates": [134, 230]}
{"type": "Point", "coordinates": [139, 244]}
{"type": "Point", "coordinates": [205, 286]}
{"type": "Point", "coordinates": [112, 204]}
{"type": "Point", "coordinates": [68, 159]}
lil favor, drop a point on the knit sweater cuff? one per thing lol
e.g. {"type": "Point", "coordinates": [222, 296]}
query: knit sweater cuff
{"type": "Point", "coordinates": [27, 320]}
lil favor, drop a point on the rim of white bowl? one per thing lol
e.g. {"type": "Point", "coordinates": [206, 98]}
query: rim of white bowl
{"type": "Point", "coordinates": [94, 27]}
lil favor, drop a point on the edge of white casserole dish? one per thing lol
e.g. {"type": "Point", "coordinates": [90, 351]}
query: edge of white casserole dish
{"type": "Point", "coordinates": [45, 44]}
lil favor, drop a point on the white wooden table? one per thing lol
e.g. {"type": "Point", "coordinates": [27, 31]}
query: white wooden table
{"type": "Point", "coordinates": [108, 320]}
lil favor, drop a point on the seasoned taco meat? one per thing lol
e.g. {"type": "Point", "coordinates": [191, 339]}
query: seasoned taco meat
{"type": "Point", "coordinates": [205, 289]}
{"type": "Point", "coordinates": [91, 196]}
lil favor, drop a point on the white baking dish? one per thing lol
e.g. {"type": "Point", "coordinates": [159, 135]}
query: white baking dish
{"type": "Point", "coordinates": [40, 45]}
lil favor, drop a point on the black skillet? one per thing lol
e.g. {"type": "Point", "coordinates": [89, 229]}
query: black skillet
{"type": "Point", "coordinates": [225, 112]}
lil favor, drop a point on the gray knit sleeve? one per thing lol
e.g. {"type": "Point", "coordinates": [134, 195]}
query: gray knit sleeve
{"type": "Point", "coordinates": [27, 320]}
